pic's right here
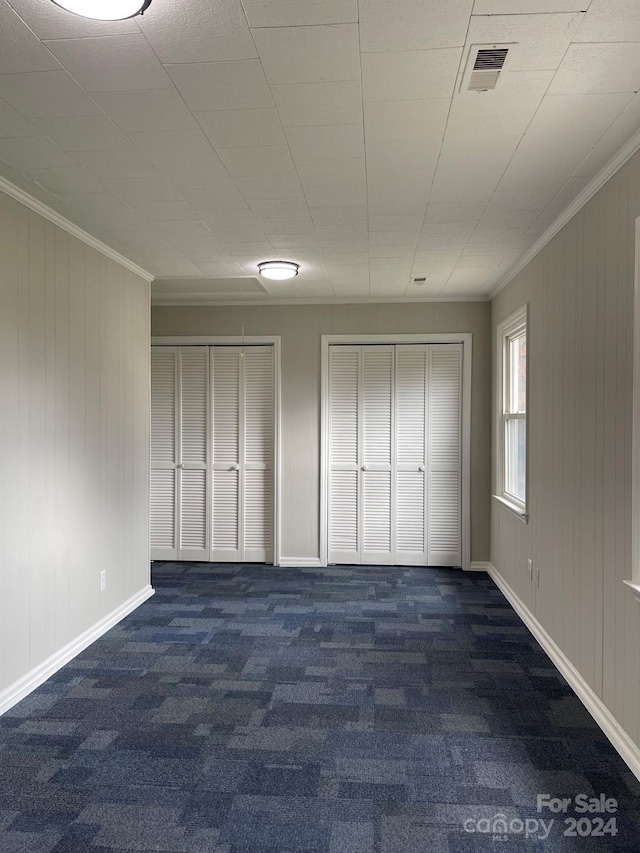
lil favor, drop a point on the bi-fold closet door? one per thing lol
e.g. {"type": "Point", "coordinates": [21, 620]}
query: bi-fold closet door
{"type": "Point", "coordinates": [212, 453]}
{"type": "Point", "coordinates": [395, 454]}
{"type": "Point", "coordinates": [242, 453]}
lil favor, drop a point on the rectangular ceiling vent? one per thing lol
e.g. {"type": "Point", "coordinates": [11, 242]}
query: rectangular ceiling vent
{"type": "Point", "coordinates": [486, 65]}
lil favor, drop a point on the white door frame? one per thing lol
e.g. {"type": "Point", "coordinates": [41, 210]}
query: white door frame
{"type": "Point", "coordinates": [453, 338]}
{"type": "Point", "coordinates": [249, 340]}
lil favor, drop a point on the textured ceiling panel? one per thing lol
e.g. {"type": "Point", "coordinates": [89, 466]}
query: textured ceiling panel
{"type": "Point", "coordinates": [333, 133]}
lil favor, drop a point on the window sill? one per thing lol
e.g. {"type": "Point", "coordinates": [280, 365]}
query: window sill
{"type": "Point", "coordinates": [635, 588]}
{"type": "Point", "coordinates": [517, 510]}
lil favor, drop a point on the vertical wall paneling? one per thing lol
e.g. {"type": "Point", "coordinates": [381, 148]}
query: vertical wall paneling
{"type": "Point", "coordinates": [580, 294]}
{"type": "Point", "coordinates": [74, 373]}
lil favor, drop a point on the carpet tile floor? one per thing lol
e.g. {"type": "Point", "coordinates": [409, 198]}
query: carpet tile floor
{"type": "Point", "coordinates": [247, 709]}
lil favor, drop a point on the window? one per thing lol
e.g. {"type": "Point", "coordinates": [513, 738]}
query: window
{"type": "Point", "coordinates": [512, 412]}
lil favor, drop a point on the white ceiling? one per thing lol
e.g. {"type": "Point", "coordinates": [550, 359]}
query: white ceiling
{"type": "Point", "coordinates": [209, 135]}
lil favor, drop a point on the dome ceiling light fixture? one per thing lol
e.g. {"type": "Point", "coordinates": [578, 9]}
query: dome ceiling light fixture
{"type": "Point", "coordinates": [278, 270]}
{"type": "Point", "coordinates": [104, 10]}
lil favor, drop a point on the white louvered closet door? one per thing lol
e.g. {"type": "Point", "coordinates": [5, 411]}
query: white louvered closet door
{"type": "Point", "coordinates": [344, 453]}
{"type": "Point", "coordinates": [395, 417]}
{"type": "Point", "coordinates": [375, 488]}
{"type": "Point", "coordinates": [227, 415]}
{"type": "Point", "coordinates": [163, 516]}
{"type": "Point", "coordinates": [242, 517]}
{"type": "Point", "coordinates": [256, 461]}
{"type": "Point", "coordinates": [444, 455]}
{"type": "Point", "coordinates": [411, 451]}
{"type": "Point", "coordinates": [193, 489]}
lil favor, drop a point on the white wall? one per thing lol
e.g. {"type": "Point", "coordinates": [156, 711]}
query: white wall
{"type": "Point", "coordinates": [300, 328]}
{"type": "Point", "coordinates": [580, 292]}
{"type": "Point", "coordinates": [74, 392]}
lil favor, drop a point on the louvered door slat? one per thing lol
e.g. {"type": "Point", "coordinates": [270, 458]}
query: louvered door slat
{"type": "Point", "coordinates": [411, 516]}
{"type": "Point", "coordinates": [376, 499]}
{"type": "Point", "coordinates": [163, 536]}
{"type": "Point", "coordinates": [163, 405]}
{"type": "Point", "coordinates": [194, 381]}
{"type": "Point", "coordinates": [193, 402]}
{"type": "Point", "coordinates": [226, 486]}
{"type": "Point", "coordinates": [410, 483]}
{"type": "Point", "coordinates": [193, 515]}
{"type": "Point", "coordinates": [257, 461]}
{"type": "Point", "coordinates": [343, 516]}
{"type": "Point", "coordinates": [345, 397]}
{"type": "Point", "coordinates": [411, 403]}
{"type": "Point", "coordinates": [225, 514]}
{"type": "Point", "coordinates": [444, 455]}
{"type": "Point", "coordinates": [162, 522]}
{"type": "Point", "coordinates": [377, 423]}
{"type": "Point", "coordinates": [344, 449]}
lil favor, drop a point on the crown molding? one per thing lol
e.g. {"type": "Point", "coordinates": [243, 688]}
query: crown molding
{"type": "Point", "coordinates": [194, 300]}
{"type": "Point", "coordinates": [625, 153]}
{"type": "Point", "coordinates": [53, 216]}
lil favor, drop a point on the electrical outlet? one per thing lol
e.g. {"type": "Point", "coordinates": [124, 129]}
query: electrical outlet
{"type": "Point", "coordinates": [530, 569]}
{"type": "Point", "coordinates": [103, 580]}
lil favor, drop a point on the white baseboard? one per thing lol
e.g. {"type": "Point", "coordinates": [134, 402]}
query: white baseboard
{"type": "Point", "coordinates": [39, 674]}
{"type": "Point", "coordinates": [300, 563]}
{"type": "Point", "coordinates": [620, 740]}
{"type": "Point", "coordinates": [478, 567]}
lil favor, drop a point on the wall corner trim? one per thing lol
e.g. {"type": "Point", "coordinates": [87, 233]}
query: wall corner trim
{"type": "Point", "coordinates": [299, 563]}
{"type": "Point", "coordinates": [478, 566]}
{"type": "Point", "coordinates": [39, 674]}
{"type": "Point", "coordinates": [634, 587]}
{"type": "Point", "coordinates": [62, 222]}
{"type": "Point", "coordinates": [620, 740]}
{"type": "Point", "coordinates": [191, 300]}
{"type": "Point", "coordinates": [625, 153]}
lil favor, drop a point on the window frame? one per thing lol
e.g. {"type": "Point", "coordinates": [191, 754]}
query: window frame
{"type": "Point", "coordinates": [508, 330]}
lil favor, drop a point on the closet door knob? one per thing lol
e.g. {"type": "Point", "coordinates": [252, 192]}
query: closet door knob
{"type": "Point", "coordinates": [420, 467]}
{"type": "Point", "coordinates": [235, 467]}
{"type": "Point", "coordinates": [180, 466]}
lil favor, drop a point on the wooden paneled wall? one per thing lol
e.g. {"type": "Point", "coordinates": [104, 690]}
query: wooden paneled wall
{"type": "Point", "coordinates": [74, 446]}
{"type": "Point", "coordinates": [580, 294]}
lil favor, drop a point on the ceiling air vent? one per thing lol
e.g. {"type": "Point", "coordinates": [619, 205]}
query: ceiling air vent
{"type": "Point", "coordinates": [485, 67]}
{"type": "Point", "coordinates": [420, 280]}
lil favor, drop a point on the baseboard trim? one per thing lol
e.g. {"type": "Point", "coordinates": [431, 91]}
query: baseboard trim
{"type": "Point", "coordinates": [620, 740]}
{"type": "Point", "coordinates": [39, 674]}
{"type": "Point", "coordinates": [300, 563]}
{"type": "Point", "coordinates": [478, 566]}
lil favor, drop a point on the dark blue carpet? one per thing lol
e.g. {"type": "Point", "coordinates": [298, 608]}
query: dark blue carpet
{"type": "Point", "coordinates": [246, 709]}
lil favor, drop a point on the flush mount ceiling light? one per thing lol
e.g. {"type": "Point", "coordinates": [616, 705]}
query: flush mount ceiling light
{"type": "Point", "coordinates": [104, 10]}
{"type": "Point", "coordinates": [278, 270]}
